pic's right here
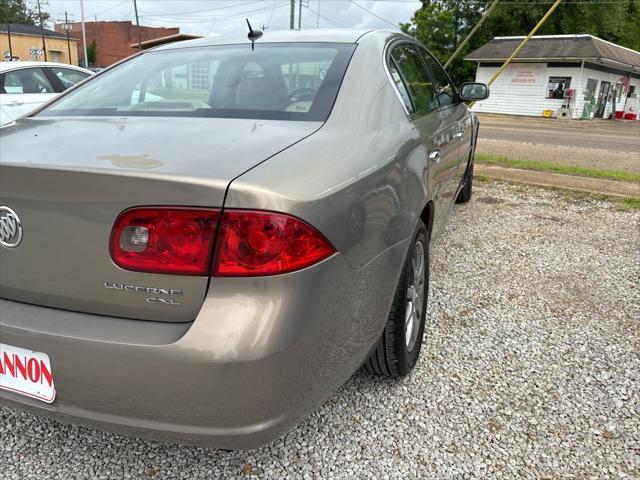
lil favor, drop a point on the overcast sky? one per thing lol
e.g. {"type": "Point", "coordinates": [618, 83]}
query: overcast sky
{"type": "Point", "coordinates": [210, 17]}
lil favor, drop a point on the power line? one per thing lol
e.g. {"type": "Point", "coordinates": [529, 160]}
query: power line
{"type": "Point", "coordinates": [333, 22]}
{"type": "Point", "coordinates": [44, 46]}
{"type": "Point", "coordinates": [193, 12]}
{"type": "Point", "coordinates": [128, 15]}
{"type": "Point", "coordinates": [216, 19]}
{"type": "Point", "coordinates": [375, 15]}
{"type": "Point", "coordinates": [111, 8]}
{"type": "Point", "coordinates": [273, 7]}
{"type": "Point", "coordinates": [170, 16]}
{"type": "Point", "coordinates": [201, 18]}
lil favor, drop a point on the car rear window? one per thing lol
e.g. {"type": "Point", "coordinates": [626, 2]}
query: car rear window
{"type": "Point", "coordinates": [288, 81]}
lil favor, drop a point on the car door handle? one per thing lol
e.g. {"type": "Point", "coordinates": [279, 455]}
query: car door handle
{"type": "Point", "coordinates": [435, 156]}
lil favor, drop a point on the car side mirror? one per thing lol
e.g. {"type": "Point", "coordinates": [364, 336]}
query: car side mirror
{"type": "Point", "coordinates": [474, 91]}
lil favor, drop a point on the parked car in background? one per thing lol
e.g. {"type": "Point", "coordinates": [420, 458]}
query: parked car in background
{"type": "Point", "coordinates": [223, 234]}
{"type": "Point", "coordinates": [25, 86]}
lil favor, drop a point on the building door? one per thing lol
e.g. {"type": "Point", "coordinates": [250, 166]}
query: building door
{"type": "Point", "coordinates": [603, 95]}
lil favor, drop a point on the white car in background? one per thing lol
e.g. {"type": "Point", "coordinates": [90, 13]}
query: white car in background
{"type": "Point", "coordinates": [25, 86]}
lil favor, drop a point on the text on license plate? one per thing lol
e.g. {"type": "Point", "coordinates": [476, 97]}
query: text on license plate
{"type": "Point", "coordinates": [26, 372]}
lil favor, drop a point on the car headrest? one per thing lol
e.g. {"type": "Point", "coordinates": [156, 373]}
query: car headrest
{"type": "Point", "coordinates": [260, 93]}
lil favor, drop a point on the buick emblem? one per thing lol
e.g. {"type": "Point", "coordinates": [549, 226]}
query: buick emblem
{"type": "Point", "coordinates": [10, 228]}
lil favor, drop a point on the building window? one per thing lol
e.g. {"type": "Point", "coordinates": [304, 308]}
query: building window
{"type": "Point", "coordinates": [632, 90]}
{"type": "Point", "coordinates": [200, 76]}
{"type": "Point", "coordinates": [557, 86]}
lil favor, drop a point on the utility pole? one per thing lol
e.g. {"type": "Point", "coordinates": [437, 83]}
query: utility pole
{"type": "Point", "coordinates": [44, 45]}
{"type": "Point", "coordinates": [292, 15]}
{"type": "Point", "coordinates": [9, 38]}
{"type": "Point", "coordinates": [67, 27]}
{"type": "Point", "coordinates": [300, 15]}
{"type": "Point", "coordinates": [84, 35]}
{"type": "Point", "coordinates": [318, 16]}
{"type": "Point", "coordinates": [135, 9]}
{"type": "Point", "coordinates": [5, 7]}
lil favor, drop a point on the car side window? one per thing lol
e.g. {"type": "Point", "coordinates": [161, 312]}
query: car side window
{"type": "Point", "coordinates": [445, 91]}
{"type": "Point", "coordinates": [400, 86]}
{"type": "Point", "coordinates": [67, 76]}
{"type": "Point", "coordinates": [27, 80]}
{"type": "Point", "coordinates": [416, 78]}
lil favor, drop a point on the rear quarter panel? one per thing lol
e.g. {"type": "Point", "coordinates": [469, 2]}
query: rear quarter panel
{"type": "Point", "coordinates": [362, 179]}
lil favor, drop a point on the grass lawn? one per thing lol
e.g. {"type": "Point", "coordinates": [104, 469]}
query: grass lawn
{"type": "Point", "coordinates": [541, 166]}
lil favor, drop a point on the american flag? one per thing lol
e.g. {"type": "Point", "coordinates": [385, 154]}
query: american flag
{"type": "Point", "coordinates": [625, 80]}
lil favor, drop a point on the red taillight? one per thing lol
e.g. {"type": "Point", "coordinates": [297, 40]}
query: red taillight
{"type": "Point", "coordinates": [176, 241]}
{"type": "Point", "coordinates": [256, 243]}
{"type": "Point", "coordinates": [179, 241]}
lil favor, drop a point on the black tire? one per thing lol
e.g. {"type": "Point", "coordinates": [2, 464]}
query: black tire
{"type": "Point", "coordinates": [395, 355]}
{"type": "Point", "coordinates": [465, 194]}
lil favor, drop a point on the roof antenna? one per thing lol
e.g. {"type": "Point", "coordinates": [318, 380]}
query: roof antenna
{"type": "Point", "coordinates": [253, 35]}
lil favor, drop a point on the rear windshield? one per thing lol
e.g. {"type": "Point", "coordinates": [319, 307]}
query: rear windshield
{"type": "Point", "coordinates": [275, 81]}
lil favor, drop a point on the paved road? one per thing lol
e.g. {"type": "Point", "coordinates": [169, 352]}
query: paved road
{"type": "Point", "coordinates": [615, 142]}
{"type": "Point", "coordinates": [596, 144]}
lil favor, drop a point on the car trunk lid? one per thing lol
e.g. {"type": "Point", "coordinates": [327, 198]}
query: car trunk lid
{"type": "Point", "coordinates": [67, 180]}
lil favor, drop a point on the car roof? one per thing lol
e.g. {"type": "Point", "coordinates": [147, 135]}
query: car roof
{"type": "Point", "coordinates": [6, 66]}
{"type": "Point", "coordinates": [338, 35]}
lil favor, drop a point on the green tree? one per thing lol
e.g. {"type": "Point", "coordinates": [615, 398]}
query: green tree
{"type": "Point", "coordinates": [91, 53]}
{"type": "Point", "coordinates": [607, 20]}
{"type": "Point", "coordinates": [442, 24]}
{"type": "Point", "coordinates": [18, 11]}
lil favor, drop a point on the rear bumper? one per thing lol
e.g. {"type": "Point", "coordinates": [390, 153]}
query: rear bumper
{"type": "Point", "coordinates": [261, 354]}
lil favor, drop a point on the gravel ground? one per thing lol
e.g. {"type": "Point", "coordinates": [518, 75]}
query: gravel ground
{"type": "Point", "coordinates": [530, 368]}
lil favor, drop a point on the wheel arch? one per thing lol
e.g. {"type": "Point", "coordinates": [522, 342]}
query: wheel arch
{"type": "Point", "coordinates": [427, 216]}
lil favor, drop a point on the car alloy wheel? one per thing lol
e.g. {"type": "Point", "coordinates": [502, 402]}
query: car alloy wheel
{"type": "Point", "coordinates": [415, 296]}
{"type": "Point", "coordinates": [397, 350]}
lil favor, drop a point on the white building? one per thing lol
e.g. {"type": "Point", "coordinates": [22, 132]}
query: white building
{"type": "Point", "coordinates": [550, 69]}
